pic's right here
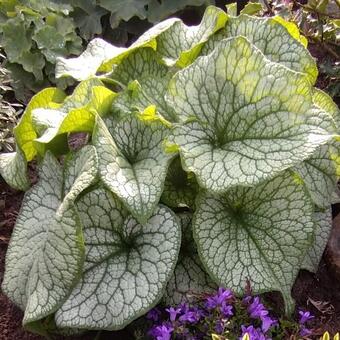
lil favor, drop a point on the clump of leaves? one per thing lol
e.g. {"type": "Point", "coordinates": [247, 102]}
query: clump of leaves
{"type": "Point", "coordinates": [34, 34]}
{"type": "Point", "coordinates": [229, 105]}
{"type": "Point", "coordinates": [9, 112]}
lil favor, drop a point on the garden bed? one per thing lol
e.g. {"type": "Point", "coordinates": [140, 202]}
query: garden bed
{"type": "Point", "coordinates": [311, 291]}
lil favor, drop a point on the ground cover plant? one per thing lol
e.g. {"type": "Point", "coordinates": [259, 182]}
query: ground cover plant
{"type": "Point", "coordinates": [212, 159]}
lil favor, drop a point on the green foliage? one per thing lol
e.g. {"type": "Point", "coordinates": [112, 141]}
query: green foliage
{"type": "Point", "coordinates": [35, 33]}
{"type": "Point", "coordinates": [220, 120]}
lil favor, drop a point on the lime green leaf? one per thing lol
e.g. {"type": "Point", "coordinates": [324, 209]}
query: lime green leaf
{"type": "Point", "coordinates": [242, 127]}
{"type": "Point", "coordinates": [251, 8]}
{"type": "Point", "coordinates": [189, 277]}
{"type": "Point", "coordinates": [13, 169]}
{"type": "Point", "coordinates": [76, 114]}
{"type": "Point", "coordinates": [24, 131]}
{"type": "Point", "coordinates": [323, 221]}
{"type": "Point", "coordinates": [292, 29]}
{"type": "Point", "coordinates": [260, 233]}
{"type": "Point", "coordinates": [132, 163]}
{"type": "Point", "coordinates": [127, 265]}
{"type": "Point", "coordinates": [152, 82]}
{"type": "Point", "coordinates": [323, 101]}
{"type": "Point", "coordinates": [45, 255]}
{"type": "Point", "coordinates": [232, 9]}
{"type": "Point", "coordinates": [180, 187]}
{"type": "Point", "coordinates": [273, 39]}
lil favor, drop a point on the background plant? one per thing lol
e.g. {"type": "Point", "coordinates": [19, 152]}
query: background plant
{"type": "Point", "coordinates": [33, 34]}
{"type": "Point", "coordinates": [230, 106]}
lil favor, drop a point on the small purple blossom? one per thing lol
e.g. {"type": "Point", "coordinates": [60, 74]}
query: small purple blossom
{"type": "Point", "coordinates": [223, 295]}
{"type": "Point", "coordinates": [267, 323]}
{"type": "Point", "coordinates": [162, 332]}
{"type": "Point", "coordinates": [219, 327]}
{"type": "Point", "coordinates": [173, 312]}
{"type": "Point", "coordinates": [305, 317]}
{"type": "Point", "coordinates": [305, 331]}
{"type": "Point", "coordinates": [226, 310]}
{"type": "Point", "coordinates": [254, 333]}
{"type": "Point", "coordinates": [154, 314]}
{"type": "Point", "coordinates": [256, 309]}
{"type": "Point", "coordinates": [192, 315]}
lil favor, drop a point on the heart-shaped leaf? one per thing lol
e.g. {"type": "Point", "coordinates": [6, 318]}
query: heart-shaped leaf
{"type": "Point", "coordinates": [243, 127]}
{"type": "Point", "coordinates": [259, 234]}
{"type": "Point", "coordinates": [127, 264]}
{"type": "Point", "coordinates": [132, 163]}
{"type": "Point", "coordinates": [45, 256]}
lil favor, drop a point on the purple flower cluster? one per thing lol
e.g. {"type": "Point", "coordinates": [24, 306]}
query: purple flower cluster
{"type": "Point", "coordinates": [179, 321]}
{"type": "Point", "coordinates": [304, 318]}
{"type": "Point", "coordinates": [222, 314]}
{"type": "Point", "coordinates": [256, 310]}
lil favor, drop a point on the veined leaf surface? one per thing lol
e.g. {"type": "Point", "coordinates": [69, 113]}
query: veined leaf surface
{"type": "Point", "coordinates": [272, 38]}
{"type": "Point", "coordinates": [132, 163]}
{"type": "Point", "coordinates": [45, 256]}
{"type": "Point", "coordinates": [323, 221]}
{"type": "Point", "coordinates": [189, 277]}
{"type": "Point", "coordinates": [260, 233]}
{"type": "Point", "coordinates": [127, 264]}
{"type": "Point", "coordinates": [241, 127]}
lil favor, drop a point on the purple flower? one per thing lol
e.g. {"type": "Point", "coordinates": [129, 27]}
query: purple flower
{"type": "Point", "coordinates": [267, 323]}
{"type": "Point", "coordinates": [192, 315]}
{"type": "Point", "coordinates": [305, 317]}
{"type": "Point", "coordinates": [227, 310]}
{"type": "Point", "coordinates": [219, 327]}
{"type": "Point", "coordinates": [254, 333]}
{"type": "Point", "coordinates": [256, 309]}
{"type": "Point", "coordinates": [162, 332]}
{"type": "Point", "coordinates": [305, 331]}
{"type": "Point", "coordinates": [154, 314]}
{"type": "Point", "coordinates": [173, 312]}
{"type": "Point", "coordinates": [222, 296]}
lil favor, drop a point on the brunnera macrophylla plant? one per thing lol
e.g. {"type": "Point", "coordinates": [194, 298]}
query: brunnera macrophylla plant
{"type": "Point", "coordinates": [212, 159]}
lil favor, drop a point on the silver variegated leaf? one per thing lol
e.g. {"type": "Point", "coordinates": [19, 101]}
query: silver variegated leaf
{"type": "Point", "coordinates": [241, 127]}
{"type": "Point", "coordinates": [260, 234]}
{"type": "Point", "coordinates": [127, 265]}
{"type": "Point", "coordinates": [132, 163]}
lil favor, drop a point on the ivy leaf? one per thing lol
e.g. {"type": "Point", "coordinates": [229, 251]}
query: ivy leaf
{"type": "Point", "coordinates": [132, 163]}
{"type": "Point", "coordinates": [323, 221]}
{"type": "Point", "coordinates": [272, 38]}
{"type": "Point", "coordinates": [153, 78]}
{"type": "Point", "coordinates": [127, 264]}
{"type": "Point", "coordinates": [124, 9]}
{"type": "Point", "coordinates": [189, 277]}
{"type": "Point", "coordinates": [45, 255]}
{"type": "Point", "coordinates": [13, 169]}
{"type": "Point", "coordinates": [260, 233]}
{"type": "Point", "coordinates": [243, 127]}
{"type": "Point", "coordinates": [180, 187]}
{"type": "Point", "coordinates": [24, 132]}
